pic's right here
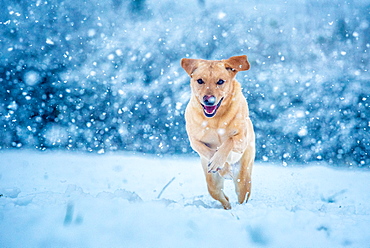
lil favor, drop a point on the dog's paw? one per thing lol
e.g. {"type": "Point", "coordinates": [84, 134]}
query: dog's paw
{"type": "Point", "coordinates": [213, 167]}
{"type": "Point", "coordinates": [216, 163]}
{"type": "Point", "coordinates": [227, 206]}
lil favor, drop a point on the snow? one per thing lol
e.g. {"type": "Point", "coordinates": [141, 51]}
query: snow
{"type": "Point", "coordinates": [60, 199]}
{"type": "Point", "coordinates": [32, 78]}
{"type": "Point", "coordinates": [82, 76]}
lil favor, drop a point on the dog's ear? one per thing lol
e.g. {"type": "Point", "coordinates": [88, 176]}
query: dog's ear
{"type": "Point", "coordinates": [189, 65]}
{"type": "Point", "coordinates": [237, 63]}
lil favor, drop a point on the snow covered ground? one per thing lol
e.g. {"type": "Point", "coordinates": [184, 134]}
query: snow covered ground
{"type": "Point", "coordinates": [55, 199]}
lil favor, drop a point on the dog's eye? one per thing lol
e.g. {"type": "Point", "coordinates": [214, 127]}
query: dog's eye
{"type": "Point", "coordinates": [219, 82]}
{"type": "Point", "coordinates": [200, 81]}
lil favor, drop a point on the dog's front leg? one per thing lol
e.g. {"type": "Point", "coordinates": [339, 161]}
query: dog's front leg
{"type": "Point", "coordinates": [201, 148]}
{"type": "Point", "coordinates": [215, 185]}
{"type": "Point", "coordinates": [219, 158]}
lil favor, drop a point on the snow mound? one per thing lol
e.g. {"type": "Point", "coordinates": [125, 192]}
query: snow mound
{"type": "Point", "coordinates": [10, 192]}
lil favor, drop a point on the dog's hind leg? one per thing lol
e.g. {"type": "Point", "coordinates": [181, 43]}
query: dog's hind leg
{"type": "Point", "coordinates": [242, 179]}
{"type": "Point", "coordinates": [215, 184]}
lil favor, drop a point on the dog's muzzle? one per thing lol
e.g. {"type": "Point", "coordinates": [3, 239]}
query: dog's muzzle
{"type": "Point", "coordinates": [209, 105]}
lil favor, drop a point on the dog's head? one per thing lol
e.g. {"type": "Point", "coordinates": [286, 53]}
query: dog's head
{"type": "Point", "coordinates": [212, 81]}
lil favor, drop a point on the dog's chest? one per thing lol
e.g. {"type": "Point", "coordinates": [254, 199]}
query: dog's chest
{"type": "Point", "coordinates": [212, 136]}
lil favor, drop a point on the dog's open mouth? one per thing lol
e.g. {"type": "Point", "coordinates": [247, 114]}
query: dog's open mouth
{"type": "Point", "coordinates": [210, 111]}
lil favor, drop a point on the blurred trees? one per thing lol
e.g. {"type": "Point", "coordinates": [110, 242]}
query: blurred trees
{"type": "Point", "coordinates": [105, 75]}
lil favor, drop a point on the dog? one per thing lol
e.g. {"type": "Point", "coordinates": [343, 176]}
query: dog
{"type": "Point", "coordinates": [218, 124]}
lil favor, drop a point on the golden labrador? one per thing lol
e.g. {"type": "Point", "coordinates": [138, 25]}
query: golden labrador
{"type": "Point", "coordinates": [218, 124]}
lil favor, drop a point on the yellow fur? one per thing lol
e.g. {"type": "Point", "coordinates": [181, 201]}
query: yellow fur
{"type": "Point", "coordinates": [226, 138]}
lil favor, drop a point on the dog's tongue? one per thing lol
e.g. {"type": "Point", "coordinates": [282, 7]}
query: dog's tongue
{"type": "Point", "coordinates": [210, 109]}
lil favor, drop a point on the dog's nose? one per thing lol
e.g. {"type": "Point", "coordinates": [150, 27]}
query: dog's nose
{"type": "Point", "coordinates": [209, 100]}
